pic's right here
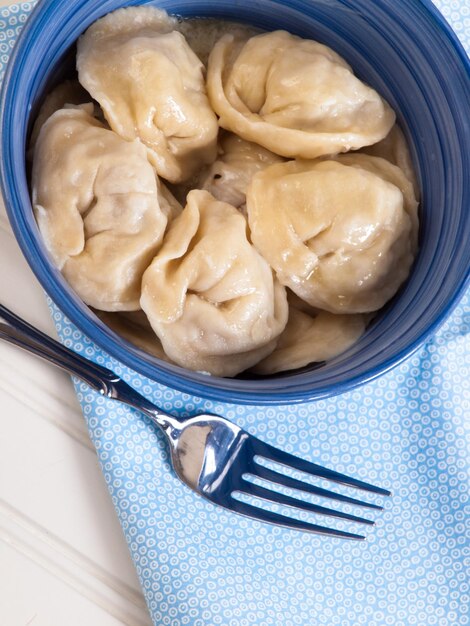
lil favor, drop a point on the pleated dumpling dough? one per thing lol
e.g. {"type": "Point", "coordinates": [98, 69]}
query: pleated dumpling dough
{"type": "Point", "coordinates": [295, 97]}
{"type": "Point", "coordinates": [96, 201]}
{"type": "Point", "coordinates": [239, 160]}
{"type": "Point", "coordinates": [150, 85]}
{"type": "Point", "coordinates": [342, 233]}
{"type": "Point", "coordinates": [209, 295]}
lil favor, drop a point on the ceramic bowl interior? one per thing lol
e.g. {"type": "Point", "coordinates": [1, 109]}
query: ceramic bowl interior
{"type": "Point", "coordinates": [406, 51]}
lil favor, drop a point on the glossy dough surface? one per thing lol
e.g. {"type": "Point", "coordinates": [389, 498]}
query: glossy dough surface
{"type": "Point", "coordinates": [209, 295]}
{"type": "Point", "coordinates": [96, 201]}
{"type": "Point", "coordinates": [294, 96]}
{"type": "Point", "coordinates": [340, 233]}
{"type": "Point", "coordinates": [151, 86]}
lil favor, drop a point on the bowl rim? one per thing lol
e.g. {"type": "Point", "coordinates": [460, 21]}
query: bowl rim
{"type": "Point", "coordinates": [169, 375]}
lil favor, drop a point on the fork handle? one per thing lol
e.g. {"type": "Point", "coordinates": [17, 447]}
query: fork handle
{"type": "Point", "coordinates": [17, 331]}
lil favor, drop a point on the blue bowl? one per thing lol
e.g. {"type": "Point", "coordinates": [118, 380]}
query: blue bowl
{"type": "Point", "coordinates": [406, 51]}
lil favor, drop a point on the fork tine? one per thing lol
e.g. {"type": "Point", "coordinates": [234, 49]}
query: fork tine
{"type": "Point", "coordinates": [288, 522]}
{"type": "Point", "coordinates": [284, 458]}
{"type": "Point", "coordinates": [281, 479]}
{"type": "Point", "coordinates": [280, 498]}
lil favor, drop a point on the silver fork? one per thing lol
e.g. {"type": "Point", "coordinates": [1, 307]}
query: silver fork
{"type": "Point", "coordinates": [209, 453]}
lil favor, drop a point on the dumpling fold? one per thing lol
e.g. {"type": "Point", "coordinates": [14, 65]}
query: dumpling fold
{"type": "Point", "coordinates": [295, 97]}
{"type": "Point", "coordinates": [209, 295]}
{"type": "Point", "coordinates": [151, 86]}
{"type": "Point", "coordinates": [96, 202]}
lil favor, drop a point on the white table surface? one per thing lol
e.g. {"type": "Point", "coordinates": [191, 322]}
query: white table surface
{"type": "Point", "coordinates": [63, 557]}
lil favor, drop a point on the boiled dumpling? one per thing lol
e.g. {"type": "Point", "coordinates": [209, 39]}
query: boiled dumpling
{"type": "Point", "coordinates": [394, 149]}
{"type": "Point", "coordinates": [135, 328]}
{"type": "Point", "coordinates": [311, 338]}
{"type": "Point", "coordinates": [341, 233]}
{"type": "Point", "coordinates": [404, 181]}
{"type": "Point", "coordinates": [209, 295]}
{"type": "Point", "coordinates": [239, 160]}
{"type": "Point", "coordinates": [150, 85]}
{"type": "Point", "coordinates": [70, 92]}
{"type": "Point", "coordinates": [294, 96]}
{"type": "Point", "coordinates": [96, 201]}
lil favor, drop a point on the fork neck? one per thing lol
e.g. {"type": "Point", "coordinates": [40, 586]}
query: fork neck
{"type": "Point", "coordinates": [123, 392]}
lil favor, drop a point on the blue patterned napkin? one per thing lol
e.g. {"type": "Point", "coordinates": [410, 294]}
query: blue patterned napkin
{"type": "Point", "coordinates": [203, 566]}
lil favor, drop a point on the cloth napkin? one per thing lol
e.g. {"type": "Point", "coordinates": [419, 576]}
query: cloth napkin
{"type": "Point", "coordinates": [201, 565]}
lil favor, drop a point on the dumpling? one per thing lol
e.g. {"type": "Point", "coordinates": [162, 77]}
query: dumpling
{"type": "Point", "coordinates": [341, 233]}
{"type": "Point", "coordinates": [396, 176]}
{"type": "Point", "coordinates": [96, 201]}
{"type": "Point", "coordinates": [294, 96]}
{"type": "Point", "coordinates": [135, 328]}
{"type": "Point", "coordinates": [228, 177]}
{"type": "Point", "coordinates": [394, 149]}
{"type": "Point", "coordinates": [311, 338]}
{"type": "Point", "coordinates": [209, 295]}
{"type": "Point", "coordinates": [70, 92]}
{"type": "Point", "coordinates": [150, 85]}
